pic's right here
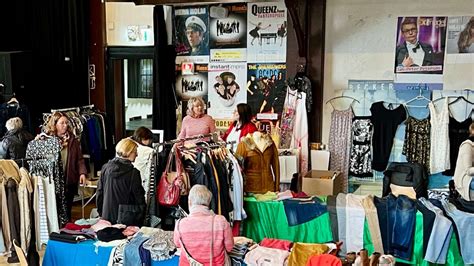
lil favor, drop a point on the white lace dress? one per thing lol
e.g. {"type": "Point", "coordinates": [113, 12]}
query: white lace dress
{"type": "Point", "coordinates": [439, 138]}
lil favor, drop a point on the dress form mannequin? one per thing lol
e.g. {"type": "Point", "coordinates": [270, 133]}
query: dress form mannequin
{"type": "Point", "coordinates": [259, 141]}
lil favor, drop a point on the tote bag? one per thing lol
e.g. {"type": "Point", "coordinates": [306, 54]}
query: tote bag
{"type": "Point", "coordinates": [169, 188]}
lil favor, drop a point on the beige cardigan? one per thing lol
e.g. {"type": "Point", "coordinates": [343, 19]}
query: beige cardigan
{"type": "Point", "coordinates": [464, 169]}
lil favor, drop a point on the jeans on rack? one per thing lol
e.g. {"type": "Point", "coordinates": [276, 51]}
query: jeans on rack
{"type": "Point", "coordinates": [465, 223]}
{"type": "Point", "coordinates": [440, 237]}
{"type": "Point", "coordinates": [428, 221]}
{"type": "Point", "coordinates": [403, 227]}
{"type": "Point", "coordinates": [386, 212]}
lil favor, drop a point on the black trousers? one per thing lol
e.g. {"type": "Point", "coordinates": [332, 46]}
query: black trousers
{"type": "Point", "coordinates": [69, 193]}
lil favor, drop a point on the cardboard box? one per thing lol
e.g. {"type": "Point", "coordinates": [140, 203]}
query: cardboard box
{"type": "Point", "coordinates": [314, 183]}
{"type": "Point", "coordinates": [319, 160]}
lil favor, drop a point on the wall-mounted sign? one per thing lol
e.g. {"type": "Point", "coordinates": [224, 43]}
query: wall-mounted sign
{"type": "Point", "coordinates": [187, 68]}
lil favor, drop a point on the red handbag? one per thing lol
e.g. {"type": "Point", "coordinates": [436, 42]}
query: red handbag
{"type": "Point", "coordinates": [169, 188]}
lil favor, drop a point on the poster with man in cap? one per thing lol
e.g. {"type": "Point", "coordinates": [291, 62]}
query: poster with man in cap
{"type": "Point", "coordinates": [192, 36]}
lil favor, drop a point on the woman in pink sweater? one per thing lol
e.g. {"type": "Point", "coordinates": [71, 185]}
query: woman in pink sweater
{"type": "Point", "coordinates": [201, 230]}
{"type": "Point", "coordinates": [196, 122]}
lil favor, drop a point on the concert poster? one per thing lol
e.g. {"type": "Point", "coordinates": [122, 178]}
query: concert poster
{"type": "Point", "coordinates": [228, 33]}
{"type": "Point", "coordinates": [266, 32]}
{"type": "Point", "coordinates": [266, 88]}
{"type": "Point", "coordinates": [192, 34]}
{"type": "Point", "coordinates": [226, 88]}
{"type": "Point", "coordinates": [188, 86]}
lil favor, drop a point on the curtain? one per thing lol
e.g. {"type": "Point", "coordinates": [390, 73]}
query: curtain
{"type": "Point", "coordinates": [164, 98]}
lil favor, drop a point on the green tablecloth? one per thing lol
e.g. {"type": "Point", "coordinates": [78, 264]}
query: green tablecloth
{"type": "Point", "coordinates": [268, 219]}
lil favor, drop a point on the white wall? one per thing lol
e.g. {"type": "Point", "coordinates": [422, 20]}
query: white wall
{"type": "Point", "coordinates": [121, 15]}
{"type": "Point", "coordinates": [360, 43]}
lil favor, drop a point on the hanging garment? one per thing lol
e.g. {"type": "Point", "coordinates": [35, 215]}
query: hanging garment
{"type": "Point", "coordinates": [288, 118]}
{"type": "Point", "coordinates": [25, 190]}
{"type": "Point", "coordinates": [45, 154]}
{"type": "Point", "coordinates": [360, 164]}
{"type": "Point", "coordinates": [39, 207]}
{"type": "Point", "coordinates": [385, 123]}
{"type": "Point", "coordinates": [143, 164]}
{"type": "Point", "coordinates": [300, 133]}
{"type": "Point", "coordinates": [416, 146]}
{"type": "Point", "coordinates": [237, 187]}
{"type": "Point", "coordinates": [464, 171]}
{"type": "Point", "coordinates": [458, 132]}
{"type": "Point", "coordinates": [439, 138]}
{"type": "Point", "coordinates": [339, 143]}
{"type": "Point", "coordinates": [261, 165]}
{"type": "Point", "coordinates": [9, 171]}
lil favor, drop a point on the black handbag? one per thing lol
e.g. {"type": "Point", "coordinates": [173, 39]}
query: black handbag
{"type": "Point", "coordinates": [131, 214]}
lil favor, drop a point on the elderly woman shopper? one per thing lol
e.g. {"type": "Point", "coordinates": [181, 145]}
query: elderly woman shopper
{"type": "Point", "coordinates": [120, 182]}
{"type": "Point", "coordinates": [196, 122]}
{"type": "Point", "coordinates": [203, 236]}
{"type": "Point", "coordinates": [13, 144]}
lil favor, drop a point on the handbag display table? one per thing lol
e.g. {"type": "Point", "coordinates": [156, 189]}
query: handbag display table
{"type": "Point", "coordinates": [84, 254]}
{"type": "Point", "coordinates": [268, 219]}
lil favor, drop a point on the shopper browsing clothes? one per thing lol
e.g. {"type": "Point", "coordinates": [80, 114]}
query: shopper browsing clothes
{"type": "Point", "coordinates": [144, 137]}
{"type": "Point", "coordinates": [71, 155]}
{"type": "Point", "coordinates": [120, 182]}
{"type": "Point", "coordinates": [13, 144]}
{"type": "Point", "coordinates": [203, 230]}
{"type": "Point", "coordinates": [242, 124]}
{"type": "Point", "coordinates": [464, 171]}
{"type": "Point", "coordinates": [196, 122]}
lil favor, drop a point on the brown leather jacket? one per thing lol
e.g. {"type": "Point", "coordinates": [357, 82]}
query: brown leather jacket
{"type": "Point", "coordinates": [260, 167]}
{"type": "Point", "coordinates": [75, 162]}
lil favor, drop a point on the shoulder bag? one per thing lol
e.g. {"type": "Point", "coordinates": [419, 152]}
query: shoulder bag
{"type": "Point", "coordinates": [169, 188]}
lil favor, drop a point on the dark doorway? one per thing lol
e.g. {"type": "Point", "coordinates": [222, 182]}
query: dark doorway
{"type": "Point", "coordinates": [129, 77]}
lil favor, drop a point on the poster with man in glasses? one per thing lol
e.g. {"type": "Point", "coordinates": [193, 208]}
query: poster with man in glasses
{"type": "Point", "coordinates": [420, 45]}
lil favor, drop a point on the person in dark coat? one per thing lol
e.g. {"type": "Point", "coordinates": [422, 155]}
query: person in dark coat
{"type": "Point", "coordinates": [13, 144]}
{"type": "Point", "coordinates": [120, 182]}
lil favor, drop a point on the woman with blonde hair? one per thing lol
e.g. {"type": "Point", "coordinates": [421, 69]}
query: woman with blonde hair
{"type": "Point", "coordinates": [75, 170]}
{"type": "Point", "coordinates": [466, 38]}
{"type": "Point", "coordinates": [120, 183]}
{"type": "Point", "coordinates": [196, 122]}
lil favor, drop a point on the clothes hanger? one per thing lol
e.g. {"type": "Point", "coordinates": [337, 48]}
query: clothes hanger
{"type": "Point", "coordinates": [419, 97]}
{"type": "Point", "coordinates": [354, 100]}
{"type": "Point", "coordinates": [13, 100]}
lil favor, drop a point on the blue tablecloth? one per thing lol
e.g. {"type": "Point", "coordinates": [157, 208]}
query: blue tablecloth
{"type": "Point", "coordinates": [84, 254]}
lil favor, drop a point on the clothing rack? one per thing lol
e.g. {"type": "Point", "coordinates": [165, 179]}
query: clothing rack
{"type": "Point", "coordinates": [77, 109]}
{"type": "Point", "coordinates": [213, 136]}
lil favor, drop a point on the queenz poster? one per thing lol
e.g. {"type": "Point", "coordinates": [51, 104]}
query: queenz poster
{"type": "Point", "coordinates": [192, 34]}
{"type": "Point", "coordinates": [266, 32]}
{"type": "Point", "coordinates": [226, 88]}
{"type": "Point", "coordinates": [266, 88]}
{"type": "Point", "coordinates": [188, 86]}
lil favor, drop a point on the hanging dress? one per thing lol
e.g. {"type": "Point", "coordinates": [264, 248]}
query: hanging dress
{"type": "Point", "coordinates": [439, 138]}
{"type": "Point", "coordinates": [361, 155]}
{"type": "Point", "coordinates": [340, 143]}
{"type": "Point", "coordinates": [50, 168]}
{"type": "Point", "coordinates": [287, 121]}
{"type": "Point", "coordinates": [458, 132]}
{"type": "Point", "coordinates": [416, 146]}
{"type": "Point", "coordinates": [386, 122]}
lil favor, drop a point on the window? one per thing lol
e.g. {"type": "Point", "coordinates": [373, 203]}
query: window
{"type": "Point", "coordinates": [140, 78]}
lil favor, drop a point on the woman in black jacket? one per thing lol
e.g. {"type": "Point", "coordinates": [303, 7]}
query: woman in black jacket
{"type": "Point", "coordinates": [13, 144]}
{"type": "Point", "coordinates": [119, 182]}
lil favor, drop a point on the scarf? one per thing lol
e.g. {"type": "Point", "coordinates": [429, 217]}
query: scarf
{"type": "Point", "coordinates": [64, 139]}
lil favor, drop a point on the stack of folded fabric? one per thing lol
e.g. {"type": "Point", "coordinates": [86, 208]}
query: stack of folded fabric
{"type": "Point", "coordinates": [62, 237]}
